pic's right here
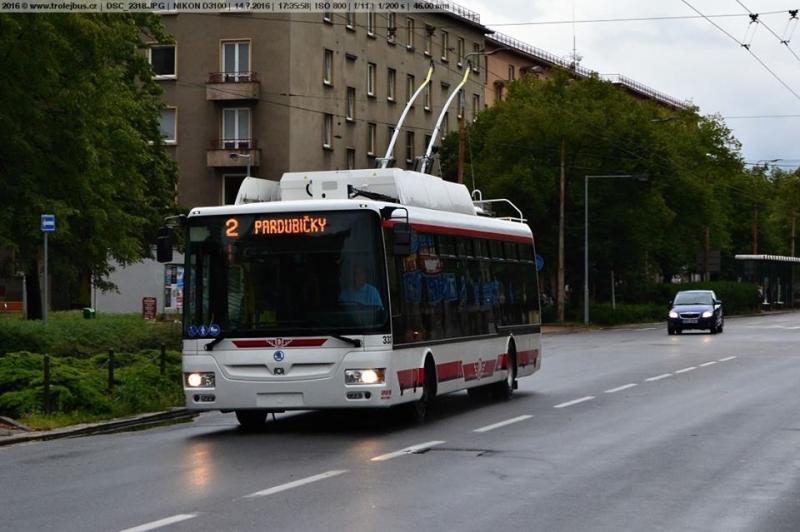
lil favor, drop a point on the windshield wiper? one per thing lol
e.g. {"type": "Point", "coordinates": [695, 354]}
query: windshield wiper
{"type": "Point", "coordinates": [352, 341]}
{"type": "Point", "coordinates": [222, 335]}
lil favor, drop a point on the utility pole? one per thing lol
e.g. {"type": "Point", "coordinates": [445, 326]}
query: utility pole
{"type": "Point", "coordinates": [560, 296]}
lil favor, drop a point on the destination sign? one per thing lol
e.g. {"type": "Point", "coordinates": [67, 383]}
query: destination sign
{"type": "Point", "coordinates": [298, 225]}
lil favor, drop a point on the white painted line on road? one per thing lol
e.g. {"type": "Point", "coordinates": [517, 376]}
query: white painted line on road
{"type": "Point", "coordinates": [659, 377]}
{"type": "Point", "coordinates": [161, 522]}
{"type": "Point", "coordinates": [517, 419]}
{"type": "Point", "coordinates": [726, 359]}
{"type": "Point", "coordinates": [684, 370]}
{"type": "Point", "coordinates": [706, 364]}
{"type": "Point", "coordinates": [407, 450]}
{"type": "Point", "coordinates": [620, 388]}
{"type": "Point", "coordinates": [575, 402]}
{"type": "Point", "coordinates": [295, 484]}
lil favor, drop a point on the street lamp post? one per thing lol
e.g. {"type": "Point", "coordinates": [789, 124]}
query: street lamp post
{"type": "Point", "coordinates": [586, 233]}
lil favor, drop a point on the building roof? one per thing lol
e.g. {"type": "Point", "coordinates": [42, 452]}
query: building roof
{"type": "Point", "coordinates": [461, 14]}
{"type": "Point", "coordinates": [543, 56]}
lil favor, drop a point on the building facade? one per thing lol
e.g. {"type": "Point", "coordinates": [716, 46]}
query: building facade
{"type": "Point", "coordinates": [294, 92]}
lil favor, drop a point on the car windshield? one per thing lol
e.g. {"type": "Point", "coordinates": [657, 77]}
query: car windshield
{"type": "Point", "coordinates": [282, 274]}
{"type": "Point", "coordinates": [693, 298]}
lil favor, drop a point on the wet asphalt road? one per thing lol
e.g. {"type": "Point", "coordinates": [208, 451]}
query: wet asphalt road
{"type": "Point", "coordinates": [621, 430]}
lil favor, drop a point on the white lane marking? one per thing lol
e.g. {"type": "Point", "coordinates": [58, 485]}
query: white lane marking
{"type": "Point", "coordinates": [295, 484]}
{"type": "Point", "coordinates": [575, 402]}
{"type": "Point", "coordinates": [407, 450]}
{"type": "Point", "coordinates": [726, 359]}
{"type": "Point", "coordinates": [161, 522]}
{"type": "Point", "coordinates": [684, 370]}
{"type": "Point", "coordinates": [659, 377]}
{"type": "Point", "coordinates": [517, 419]}
{"type": "Point", "coordinates": [705, 364]}
{"type": "Point", "coordinates": [620, 388]}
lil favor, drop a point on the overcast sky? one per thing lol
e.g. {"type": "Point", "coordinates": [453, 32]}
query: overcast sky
{"type": "Point", "coordinates": [689, 59]}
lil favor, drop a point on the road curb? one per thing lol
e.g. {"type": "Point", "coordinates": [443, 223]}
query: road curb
{"type": "Point", "coordinates": [143, 420]}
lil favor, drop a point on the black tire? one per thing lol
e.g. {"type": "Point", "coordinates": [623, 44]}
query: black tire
{"type": "Point", "coordinates": [670, 331]}
{"type": "Point", "coordinates": [504, 389]}
{"type": "Point", "coordinates": [251, 420]}
{"type": "Point", "coordinates": [417, 411]}
{"type": "Point", "coordinates": [678, 331]}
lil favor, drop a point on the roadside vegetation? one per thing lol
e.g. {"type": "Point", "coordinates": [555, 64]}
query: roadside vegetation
{"type": "Point", "coordinates": [79, 387]}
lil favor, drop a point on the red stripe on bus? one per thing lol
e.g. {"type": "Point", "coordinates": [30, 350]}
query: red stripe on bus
{"type": "Point", "coordinates": [488, 368]}
{"type": "Point", "coordinates": [449, 371]}
{"type": "Point", "coordinates": [458, 231]}
{"type": "Point", "coordinates": [410, 378]}
{"type": "Point", "coordinates": [280, 343]}
{"type": "Point", "coordinates": [502, 361]}
{"type": "Point", "coordinates": [526, 358]}
{"type": "Point", "coordinates": [470, 371]}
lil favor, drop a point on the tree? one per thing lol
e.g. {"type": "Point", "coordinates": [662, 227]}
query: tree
{"type": "Point", "coordinates": [636, 228]}
{"type": "Point", "coordinates": [79, 138]}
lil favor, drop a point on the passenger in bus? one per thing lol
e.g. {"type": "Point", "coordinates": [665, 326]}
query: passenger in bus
{"type": "Point", "coordinates": [360, 292]}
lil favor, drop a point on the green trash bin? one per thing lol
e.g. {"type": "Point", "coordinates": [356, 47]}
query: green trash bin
{"type": "Point", "coordinates": [89, 313]}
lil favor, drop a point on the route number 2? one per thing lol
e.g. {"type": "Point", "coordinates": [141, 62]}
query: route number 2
{"type": "Point", "coordinates": [232, 227]}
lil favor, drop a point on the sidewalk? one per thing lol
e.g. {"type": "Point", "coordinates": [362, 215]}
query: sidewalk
{"type": "Point", "coordinates": [11, 434]}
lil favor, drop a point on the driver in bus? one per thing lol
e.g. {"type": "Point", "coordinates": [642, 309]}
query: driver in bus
{"type": "Point", "coordinates": [360, 292]}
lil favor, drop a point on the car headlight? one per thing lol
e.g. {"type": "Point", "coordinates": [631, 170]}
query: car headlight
{"type": "Point", "coordinates": [708, 314]}
{"type": "Point", "coordinates": [673, 314]}
{"type": "Point", "coordinates": [199, 380]}
{"type": "Point", "coordinates": [364, 376]}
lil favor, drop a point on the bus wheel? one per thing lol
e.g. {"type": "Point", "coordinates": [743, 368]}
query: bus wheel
{"type": "Point", "coordinates": [418, 410]}
{"type": "Point", "coordinates": [251, 419]}
{"type": "Point", "coordinates": [505, 388]}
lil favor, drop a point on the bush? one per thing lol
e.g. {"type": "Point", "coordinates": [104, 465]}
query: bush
{"type": "Point", "coordinates": [80, 385]}
{"type": "Point", "coordinates": [67, 334]}
{"type": "Point", "coordinates": [603, 314]}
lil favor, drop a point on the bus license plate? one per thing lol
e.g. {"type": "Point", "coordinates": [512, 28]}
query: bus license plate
{"type": "Point", "coordinates": [693, 320]}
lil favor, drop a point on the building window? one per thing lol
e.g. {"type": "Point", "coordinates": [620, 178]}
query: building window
{"type": "Point", "coordinates": [350, 161]}
{"type": "Point", "coordinates": [445, 46]}
{"type": "Point", "coordinates": [428, 97]}
{"type": "Point", "coordinates": [498, 92]}
{"type": "Point", "coordinates": [511, 73]}
{"type": "Point", "coordinates": [327, 16]}
{"type": "Point", "coordinates": [168, 125]}
{"type": "Point", "coordinates": [327, 132]}
{"type": "Point", "coordinates": [236, 129]}
{"type": "Point", "coordinates": [371, 70]}
{"type": "Point", "coordinates": [372, 130]}
{"type": "Point", "coordinates": [230, 187]}
{"type": "Point", "coordinates": [327, 68]}
{"type": "Point", "coordinates": [350, 21]}
{"type": "Point", "coordinates": [410, 33]}
{"type": "Point", "coordinates": [461, 104]}
{"type": "Point", "coordinates": [410, 84]}
{"type": "Point", "coordinates": [476, 106]}
{"type": "Point", "coordinates": [391, 28]}
{"type": "Point", "coordinates": [445, 124]}
{"type": "Point", "coordinates": [409, 147]}
{"type": "Point", "coordinates": [476, 62]}
{"type": "Point", "coordinates": [350, 115]}
{"type": "Point", "coordinates": [391, 82]}
{"type": "Point", "coordinates": [428, 39]}
{"type": "Point", "coordinates": [389, 135]}
{"type": "Point", "coordinates": [426, 144]}
{"type": "Point", "coordinates": [236, 61]}
{"type": "Point", "coordinates": [371, 24]}
{"type": "Point", "coordinates": [163, 61]}
{"type": "Point", "coordinates": [460, 51]}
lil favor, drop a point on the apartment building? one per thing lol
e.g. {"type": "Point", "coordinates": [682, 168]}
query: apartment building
{"type": "Point", "coordinates": [319, 91]}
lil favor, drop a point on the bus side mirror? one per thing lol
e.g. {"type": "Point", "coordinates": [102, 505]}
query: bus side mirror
{"type": "Point", "coordinates": [402, 239]}
{"type": "Point", "coordinates": [164, 242]}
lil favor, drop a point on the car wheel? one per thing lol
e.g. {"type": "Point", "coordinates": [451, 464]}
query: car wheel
{"type": "Point", "coordinates": [670, 330]}
{"type": "Point", "coordinates": [678, 331]}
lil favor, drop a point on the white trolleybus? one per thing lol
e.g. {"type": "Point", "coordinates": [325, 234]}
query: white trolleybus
{"type": "Point", "coordinates": [354, 289]}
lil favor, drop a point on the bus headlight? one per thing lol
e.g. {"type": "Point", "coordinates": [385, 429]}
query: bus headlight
{"type": "Point", "coordinates": [364, 376]}
{"type": "Point", "coordinates": [199, 380]}
{"type": "Point", "coordinates": [707, 314]}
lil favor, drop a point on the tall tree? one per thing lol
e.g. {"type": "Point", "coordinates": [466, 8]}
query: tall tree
{"type": "Point", "coordinates": [79, 138]}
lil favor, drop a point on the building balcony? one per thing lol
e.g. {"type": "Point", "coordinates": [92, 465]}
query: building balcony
{"type": "Point", "coordinates": [233, 153]}
{"type": "Point", "coordinates": [227, 86]}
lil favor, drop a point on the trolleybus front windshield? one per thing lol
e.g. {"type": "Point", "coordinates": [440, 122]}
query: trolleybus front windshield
{"type": "Point", "coordinates": [286, 274]}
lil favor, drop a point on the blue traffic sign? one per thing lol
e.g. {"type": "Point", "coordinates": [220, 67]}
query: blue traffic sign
{"type": "Point", "coordinates": [48, 223]}
{"type": "Point", "coordinates": [539, 263]}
